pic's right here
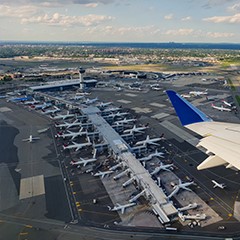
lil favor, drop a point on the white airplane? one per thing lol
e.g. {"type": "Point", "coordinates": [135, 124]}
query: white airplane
{"type": "Point", "coordinates": [164, 167]}
{"type": "Point", "coordinates": [31, 102]}
{"type": "Point", "coordinates": [219, 185]}
{"type": "Point", "coordinates": [149, 141]}
{"type": "Point", "coordinates": [50, 111]}
{"type": "Point", "coordinates": [90, 101]}
{"type": "Point", "coordinates": [198, 93]}
{"type": "Point", "coordinates": [83, 161]}
{"type": "Point", "coordinates": [186, 95]}
{"type": "Point", "coordinates": [181, 185]}
{"type": "Point", "coordinates": [78, 97]}
{"type": "Point", "coordinates": [72, 134]}
{"type": "Point", "coordinates": [125, 121]}
{"type": "Point", "coordinates": [221, 139]}
{"type": "Point", "coordinates": [150, 156]}
{"type": "Point", "coordinates": [112, 109]}
{"type": "Point", "coordinates": [68, 125]}
{"type": "Point", "coordinates": [118, 114]}
{"type": "Point", "coordinates": [83, 94]}
{"type": "Point", "coordinates": [63, 116]}
{"type": "Point", "coordinates": [31, 139]}
{"type": "Point", "coordinates": [222, 108]}
{"type": "Point", "coordinates": [227, 103]}
{"type": "Point", "coordinates": [103, 174]}
{"type": "Point", "coordinates": [136, 129]}
{"type": "Point", "coordinates": [122, 208]}
{"type": "Point", "coordinates": [77, 145]}
{"type": "Point", "coordinates": [43, 130]}
{"type": "Point", "coordinates": [104, 104]}
{"type": "Point", "coordinates": [41, 106]}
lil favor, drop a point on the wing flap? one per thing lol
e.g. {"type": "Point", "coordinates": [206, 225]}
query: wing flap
{"type": "Point", "coordinates": [224, 150]}
{"type": "Point", "coordinates": [211, 161]}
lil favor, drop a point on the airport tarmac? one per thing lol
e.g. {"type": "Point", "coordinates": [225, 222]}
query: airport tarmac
{"type": "Point", "coordinates": [85, 186]}
{"type": "Point", "coordinates": [31, 182]}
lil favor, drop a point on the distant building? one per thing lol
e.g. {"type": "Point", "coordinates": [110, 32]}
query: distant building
{"type": "Point", "coordinates": [64, 85]}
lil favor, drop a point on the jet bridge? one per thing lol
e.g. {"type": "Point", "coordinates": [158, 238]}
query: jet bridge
{"type": "Point", "coordinates": [160, 204]}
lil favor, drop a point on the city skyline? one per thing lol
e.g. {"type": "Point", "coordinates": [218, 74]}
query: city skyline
{"type": "Point", "coordinates": [210, 21]}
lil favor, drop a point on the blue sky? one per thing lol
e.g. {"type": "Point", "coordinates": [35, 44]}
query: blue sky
{"type": "Point", "coordinates": [121, 20]}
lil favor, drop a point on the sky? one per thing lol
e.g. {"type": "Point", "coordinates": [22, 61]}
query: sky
{"type": "Point", "coordinates": [211, 21]}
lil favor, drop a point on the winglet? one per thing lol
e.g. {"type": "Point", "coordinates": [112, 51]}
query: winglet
{"type": "Point", "coordinates": [186, 112]}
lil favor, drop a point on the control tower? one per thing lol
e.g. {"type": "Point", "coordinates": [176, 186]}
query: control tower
{"type": "Point", "coordinates": [81, 72]}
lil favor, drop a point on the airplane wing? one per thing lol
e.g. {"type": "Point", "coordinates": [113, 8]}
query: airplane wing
{"type": "Point", "coordinates": [221, 139]}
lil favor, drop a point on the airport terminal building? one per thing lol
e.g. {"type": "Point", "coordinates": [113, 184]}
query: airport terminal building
{"type": "Point", "coordinates": [64, 85]}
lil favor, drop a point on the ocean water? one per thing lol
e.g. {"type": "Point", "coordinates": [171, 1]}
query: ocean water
{"type": "Point", "coordinates": [168, 45]}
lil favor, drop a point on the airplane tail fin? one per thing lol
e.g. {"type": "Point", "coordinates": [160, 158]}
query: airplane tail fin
{"type": "Point", "coordinates": [186, 112]}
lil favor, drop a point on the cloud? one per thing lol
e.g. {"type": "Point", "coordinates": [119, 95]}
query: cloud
{"type": "Point", "coordinates": [52, 3]}
{"type": "Point", "coordinates": [234, 8]}
{"type": "Point", "coordinates": [168, 17]}
{"type": "Point", "coordinates": [219, 34]}
{"type": "Point", "coordinates": [91, 5]}
{"type": "Point", "coordinates": [180, 32]}
{"type": "Point", "coordinates": [214, 3]}
{"type": "Point", "coordinates": [224, 19]}
{"type": "Point", "coordinates": [186, 18]}
{"type": "Point", "coordinates": [57, 19]}
{"type": "Point", "coordinates": [21, 11]}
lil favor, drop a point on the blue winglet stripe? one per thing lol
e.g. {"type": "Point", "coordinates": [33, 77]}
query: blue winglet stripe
{"type": "Point", "coordinates": [186, 112]}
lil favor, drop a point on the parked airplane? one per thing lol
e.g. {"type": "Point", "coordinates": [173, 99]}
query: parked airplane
{"type": "Point", "coordinates": [198, 93]}
{"type": "Point", "coordinates": [136, 129]}
{"type": "Point", "coordinates": [31, 102]}
{"type": "Point", "coordinates": [221, 139]}
{"type": "Point", "coordinates": [229, 104]}
{"type": "Point", "coordinates": [78, 145]}
{"type": "Point", "coordinates": [149, 141]}
{"type": "Point", "coordinates": [222, 108]}
{"type": "Point", "coordinates": [118, 114]}
{"type": "Point", "coordinates": [83, 161]}
{"type": "Point", "coordinates": [104, 104]}
{"type": "Point", "coordinates": [186, 95]}
{"type": "Point", "coordinates": [31, 139]}
{"type": "Point", "coordinates": [181, 185]}
{"type": "Point", "coordinates": [219, 185]}
{"type": "Point", "coordinates": [63, 116]}
{"type": "Point", "coordinates": [68, 125]}
{"type": "Point", "coordinates": [150, 156]}
{"type": "Point", "coordinates": [122, 208]}
{"type": "Point", "coordinates": [72, 134]}
{"type": "Point", "coordinates": [165, 167]}
{"type": "Point", "coordinates": [112, 109]}
{"type": "Point", "coordinates": [50, 111]}
{"type": "Point", "coordinates": [125, 121]}
{"type": "Point", "coordinates": [41, 106]}
{"type": "Point", "coordinates": [90, 101]}
{"type": "Point", "coordinates": [43, 130]}
{"type": "Point", "coordinates": [103, 174]}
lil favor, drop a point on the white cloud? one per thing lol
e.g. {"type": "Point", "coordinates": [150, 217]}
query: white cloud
{"type": "Point", "coordinates": [52, 3]}
{"type": "Point", "coordinates": [186, 18]}
{"type": "Point", "coordinates": [180, 32]}
{"type": "Point", "coordinates": [224, 19]}
{"type": "Point", "coordinates": [21, 11]}
{"type": "Point", "coordinates": [219, 34]}
{"type": "Point", "coordinates": [91, 5]}
{"type": "Point", "coordinates": [168, 17]}
{"type": "Point", "coordinates": [234, 8]}
{"type": "Point", "coordinates": [57, 19]}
